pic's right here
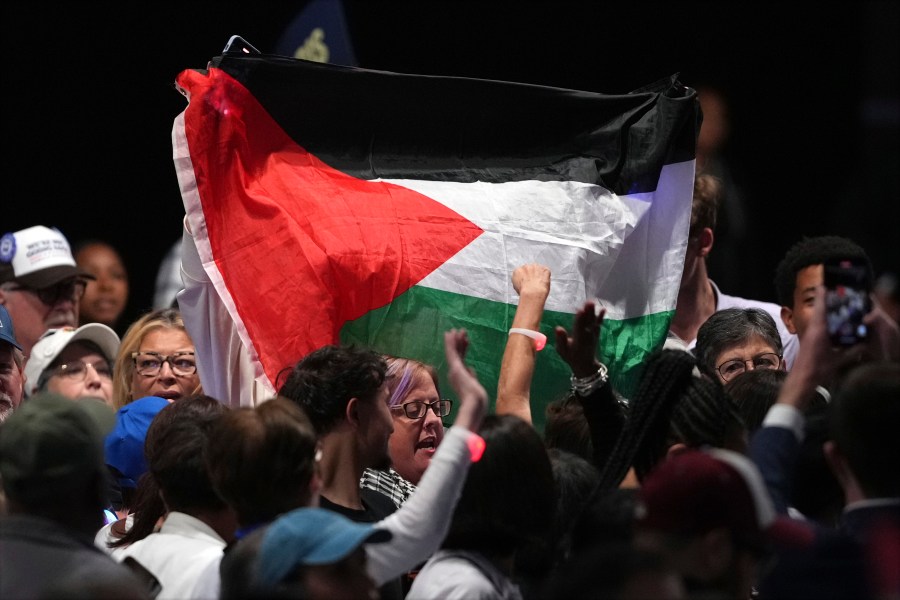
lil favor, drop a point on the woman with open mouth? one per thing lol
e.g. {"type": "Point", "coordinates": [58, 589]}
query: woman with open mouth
{"type": "Point", "coordinates": [417, 409]}
{"type": "Point", "coordinates": [156, 358]}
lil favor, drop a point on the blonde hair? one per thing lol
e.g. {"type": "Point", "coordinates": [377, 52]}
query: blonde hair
{"type": "Point", "coordinates": [123, 372]}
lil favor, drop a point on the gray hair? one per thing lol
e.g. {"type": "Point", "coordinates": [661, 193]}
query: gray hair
{"type": "Point", "coordinates": [732, 327]}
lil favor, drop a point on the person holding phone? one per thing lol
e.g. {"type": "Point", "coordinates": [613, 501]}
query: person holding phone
{"type": "Point", "coordinates": [858, 324]}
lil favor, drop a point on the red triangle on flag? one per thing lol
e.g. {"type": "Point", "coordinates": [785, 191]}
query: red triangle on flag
{"type": "Point", "coordinates": [302, 248]}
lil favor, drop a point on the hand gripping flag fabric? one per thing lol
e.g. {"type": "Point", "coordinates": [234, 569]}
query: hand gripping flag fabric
{"type": "Point", "coordinates": [336, 204]}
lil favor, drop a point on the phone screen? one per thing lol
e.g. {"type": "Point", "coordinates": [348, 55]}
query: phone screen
{"type": "Point", "coordinates": [846, 302]}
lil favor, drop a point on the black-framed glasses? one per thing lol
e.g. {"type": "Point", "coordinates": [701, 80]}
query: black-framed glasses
{"type": "Point", "coordinates": [418, 409]}
{"type": "Point", "coordinates": [734, 367]}
{"type": "Point", "coordinates": [76, 370]}
{"type": "Point", "coordinates": [149, 363]}
{"type": "Point", "coordinates": [72, 289]}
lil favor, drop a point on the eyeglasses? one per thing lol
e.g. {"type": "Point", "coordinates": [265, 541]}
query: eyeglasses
{"type": "Point", "coordinates": [149, 363]}
{"type": "Point", "coordinates": [72, 289]}
{"type": "Point", "coordinates": [76, 370]}
{"type": "Point", "coordinates": [732, 368]}
{"type": "Point", "coordinates": [418, 409]}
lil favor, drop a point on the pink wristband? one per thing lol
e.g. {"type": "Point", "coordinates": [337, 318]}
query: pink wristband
{"type": "Point", "coordinates": [540, 340]}
{"type": "Point", "coordinates": [476, 446]}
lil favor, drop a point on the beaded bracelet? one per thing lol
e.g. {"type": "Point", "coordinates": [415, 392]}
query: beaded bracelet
{"type": "Point", "coordinates": [585, 386]}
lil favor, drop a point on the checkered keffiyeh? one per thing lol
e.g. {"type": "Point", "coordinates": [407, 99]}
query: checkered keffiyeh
{"type": "Point", "coordinates": [389, 483]}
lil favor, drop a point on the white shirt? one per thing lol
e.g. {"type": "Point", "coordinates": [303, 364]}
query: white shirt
{"type": "Point", "coordinates": [178, 554]}
{"type": "Point", "coordinates": [451, 576]}
{"type": "Point", "coordinates": [104, 536]}
{"type": "Point", "coordinates": [227, 370]}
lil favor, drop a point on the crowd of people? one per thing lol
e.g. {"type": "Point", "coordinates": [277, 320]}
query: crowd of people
{"type": "Point", "coordinates": [755, 459]}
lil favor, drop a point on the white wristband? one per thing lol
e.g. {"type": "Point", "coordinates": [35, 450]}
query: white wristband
{"type": "Point", "coordinates": [540, 340]}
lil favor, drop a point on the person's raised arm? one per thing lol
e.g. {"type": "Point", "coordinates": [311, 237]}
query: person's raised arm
{"type": "Point", "coordinates": [473, 399]}
{"type": "Point", "coordinates": [532, 283]}
{"type": "Point", "coordinates": [884, 335]}
{"type": "Point", "coordinates": [816, 362]}
{"type": "Point", "coordinates": [590, 385]}
{"type": "Point", "coordinates": [223, 362]}
{"type": "Point", "coordinates": [775, 446]}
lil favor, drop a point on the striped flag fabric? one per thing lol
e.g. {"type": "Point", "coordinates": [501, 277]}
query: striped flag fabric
{"type": "Point", "coordinates": [342, 204]}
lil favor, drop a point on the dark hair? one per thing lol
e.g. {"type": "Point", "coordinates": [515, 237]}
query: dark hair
{"type": "Point", "coordinates": [508, 499]}
{"type": "Point", "coordinates": [865, 423]}
{"type": "Point", "coordinates": [325, 380]}
{"type": "Point", "coordinates": [174, 450]}
{"type": "Point", "coordinates": [814, 251]}
{"type": "Point", "coordinates": [730, 327]}
{"type": "Point", "coordinates": [606, 570]}
{"type": "Point", "coordinates": [566, 427]}
{"type": "Point", "coordinates": [671, 405]}
{"type": "Point", "coordinates": [147, 507]}
{"type": "Point", "coordinates": [815, 490]}
{"type": "Point", "coordinates": [237, 570]}
{"type": "Point", "coordinates": [84, 243]}
{"type": "Point", "coordinates": [607, 518]}
{"type": "Point", "coordinates": [575, 478]}
{"type": "Point", "coordinates": [261, 459]}
{"type": "Point", "coordinates": [754, 392]}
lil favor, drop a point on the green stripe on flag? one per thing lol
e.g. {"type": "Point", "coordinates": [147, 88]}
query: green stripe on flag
{"type": "Point", "coordinates": [413, 325]}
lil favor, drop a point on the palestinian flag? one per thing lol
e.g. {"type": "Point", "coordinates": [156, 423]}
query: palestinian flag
{"type": "Point", "coordinates": [341, 204]}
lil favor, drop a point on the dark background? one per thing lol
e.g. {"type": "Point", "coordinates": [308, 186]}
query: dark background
{"type": "Point", "coordinates": [89, 102]}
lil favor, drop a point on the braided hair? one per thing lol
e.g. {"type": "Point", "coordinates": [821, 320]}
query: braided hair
{"type": "Point", "coordinates": [671, 406]}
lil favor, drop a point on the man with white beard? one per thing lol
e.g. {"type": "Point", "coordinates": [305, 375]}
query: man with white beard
{"type": "Point", "coordinates": [40, 284]}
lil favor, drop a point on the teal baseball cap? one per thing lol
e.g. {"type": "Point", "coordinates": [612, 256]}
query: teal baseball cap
{"type": "Point", "coordinates": [310, 536]}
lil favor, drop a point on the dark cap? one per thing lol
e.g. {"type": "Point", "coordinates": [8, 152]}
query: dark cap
{"type": "Point", "coordinates": [51, 443]}
{"type": "Point", "coordinates": [697, 491]}
{"type": "Point", "coordinates": [37, 257]}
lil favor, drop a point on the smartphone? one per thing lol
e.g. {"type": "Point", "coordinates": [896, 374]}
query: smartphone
{"type": "Point", "coordinates": [237, 45]}
{"type": "Point", "coordinates": [847, 301]}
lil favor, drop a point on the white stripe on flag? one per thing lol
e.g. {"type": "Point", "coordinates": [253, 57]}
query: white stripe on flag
{"type": "Point", "coordinates": [626, 250]}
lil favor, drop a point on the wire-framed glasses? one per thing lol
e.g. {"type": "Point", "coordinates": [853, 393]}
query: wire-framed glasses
{"type": "Point", "coordinates": [734, 367]}
{"type": "Point", "coordinates": [76, 370]}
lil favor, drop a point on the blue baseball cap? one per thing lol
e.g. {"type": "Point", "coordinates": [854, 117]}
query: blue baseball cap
{"type": "Point", "coordinates": [7, 333]}
{"type": "Point", "coordinates": [124, 446]}
{"type": "Point", "coordinates": [310, 536]}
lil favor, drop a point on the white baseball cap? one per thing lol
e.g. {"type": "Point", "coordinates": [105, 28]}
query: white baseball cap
{"type": "Point", "coordinates": [54, 341]}
{"type": "Point", "coordinates": [37, 257]}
